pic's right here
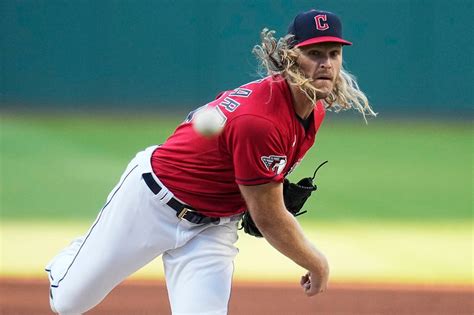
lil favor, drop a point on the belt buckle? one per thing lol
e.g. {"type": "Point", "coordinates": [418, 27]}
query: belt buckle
{"type": "Point", "coordinates": [183, 212]}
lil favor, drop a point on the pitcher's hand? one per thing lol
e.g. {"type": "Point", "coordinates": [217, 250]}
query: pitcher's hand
{"type": "Point", "coordinates": [311, 285]}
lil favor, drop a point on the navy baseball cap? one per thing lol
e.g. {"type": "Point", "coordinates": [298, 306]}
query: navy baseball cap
{"type": "Point", "coordinates": [314, 27]}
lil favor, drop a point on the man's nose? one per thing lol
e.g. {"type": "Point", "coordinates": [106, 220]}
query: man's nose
{"type": "Point", "coordinates": [325, 62]}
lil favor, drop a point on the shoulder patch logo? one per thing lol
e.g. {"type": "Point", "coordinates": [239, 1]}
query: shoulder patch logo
{"type": "Point", "coordinates": [275, 163]}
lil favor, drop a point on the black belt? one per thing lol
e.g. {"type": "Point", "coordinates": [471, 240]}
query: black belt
{"type": "Point", "coordinates": [182, 211]}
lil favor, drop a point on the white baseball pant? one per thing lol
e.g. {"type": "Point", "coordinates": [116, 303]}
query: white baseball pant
{"type": "Point", "coordinates": [134, 227]}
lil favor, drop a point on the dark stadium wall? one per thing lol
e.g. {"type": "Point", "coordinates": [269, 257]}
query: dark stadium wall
{"type": "Point", "coordinates": [409, 56]}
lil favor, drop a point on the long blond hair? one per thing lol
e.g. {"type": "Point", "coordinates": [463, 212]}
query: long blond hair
{"type": "Point", "coordinates": [279, 57]}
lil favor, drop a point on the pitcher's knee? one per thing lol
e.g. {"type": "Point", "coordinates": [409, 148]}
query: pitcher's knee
{"type": "Point", "coordinates": [66, 302]}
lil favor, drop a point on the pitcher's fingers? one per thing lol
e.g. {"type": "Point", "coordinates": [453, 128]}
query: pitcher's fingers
{"type": "Point", "coordinates": [303, 280]}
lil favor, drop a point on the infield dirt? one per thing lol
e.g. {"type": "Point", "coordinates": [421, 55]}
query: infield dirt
{"type": "Point", "coordinates": [22, 297]}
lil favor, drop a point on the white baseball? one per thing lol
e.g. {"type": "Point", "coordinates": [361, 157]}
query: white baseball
{"type": "Point", "coordinates": [208, 122]}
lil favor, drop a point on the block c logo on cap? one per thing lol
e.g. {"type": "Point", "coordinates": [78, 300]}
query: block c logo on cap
{"type": "Point", "coordinates": [322, 26]}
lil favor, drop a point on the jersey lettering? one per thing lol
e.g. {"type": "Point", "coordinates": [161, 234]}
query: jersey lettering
{"type": "Point", "coordinates": [241, 92]}
{"type": "Point", "coordinates": [275, 163]}
{"type": "Point", "coordinates": [229, 104]}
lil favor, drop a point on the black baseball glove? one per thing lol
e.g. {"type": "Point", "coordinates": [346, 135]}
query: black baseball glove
{"type": "Point", "coordinates": [294, 195]}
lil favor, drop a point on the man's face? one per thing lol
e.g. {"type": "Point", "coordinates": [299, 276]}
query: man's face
{"type": "Point", "coordinates": [321, 63]}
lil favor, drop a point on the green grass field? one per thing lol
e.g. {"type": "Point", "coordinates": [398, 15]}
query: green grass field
{"type": "Point", "coordinates": [59, 168]}
{"type": "Point", "coordinates": [394, 202]}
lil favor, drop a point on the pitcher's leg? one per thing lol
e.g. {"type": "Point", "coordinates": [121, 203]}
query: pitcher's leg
{"type": "Point", "coordinates": [131, 230]}
{"type": "Point", "coordinates": [61, 262]}
{"type": "Point", "coordinates": [199, 274]}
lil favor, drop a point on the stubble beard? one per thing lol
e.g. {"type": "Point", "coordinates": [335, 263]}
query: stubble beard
{"type": "Point", "coordinates": [323, 91]}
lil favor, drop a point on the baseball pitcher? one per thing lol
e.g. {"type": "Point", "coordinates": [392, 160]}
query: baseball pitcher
{"type": "Point", "coordinates": [185, 198]}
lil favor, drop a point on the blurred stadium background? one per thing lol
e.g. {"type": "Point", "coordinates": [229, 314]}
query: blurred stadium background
{"type": "Point", "coordinates": [84, 85]}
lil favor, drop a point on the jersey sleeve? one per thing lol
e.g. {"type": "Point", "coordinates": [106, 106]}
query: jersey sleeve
{"type": "Point", "coordinates": [256, 148]}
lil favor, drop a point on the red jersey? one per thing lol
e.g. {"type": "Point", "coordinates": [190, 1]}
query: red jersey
{"type": "Point", "coordinates": [262, 141]}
